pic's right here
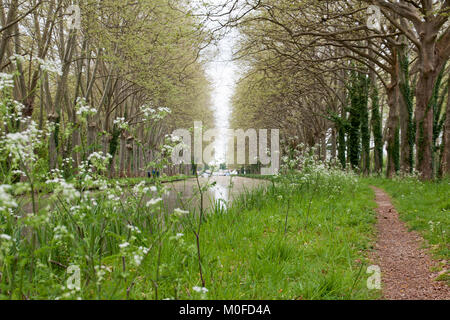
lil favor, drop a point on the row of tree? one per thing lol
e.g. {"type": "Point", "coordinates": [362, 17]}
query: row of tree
{"type": "Point", "coordinates": [114, 76]}
{"type": "Point", "coordinates": [338, 75]}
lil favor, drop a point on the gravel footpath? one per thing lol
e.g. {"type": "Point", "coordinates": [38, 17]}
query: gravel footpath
{"type": "Point", "coordinates": [405, 267]}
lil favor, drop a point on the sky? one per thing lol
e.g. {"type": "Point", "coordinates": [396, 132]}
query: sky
{"type": "Point", "coordinates": [223, 73]}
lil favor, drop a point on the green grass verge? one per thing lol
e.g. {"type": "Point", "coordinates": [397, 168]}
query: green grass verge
{"type": "Point", "coordinates": [250, 251]}
{"type": "Point", "coordinates": [246, 253]}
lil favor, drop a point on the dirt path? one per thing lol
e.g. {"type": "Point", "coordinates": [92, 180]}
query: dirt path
{"type": "Point", "coordinates": [405, 267]}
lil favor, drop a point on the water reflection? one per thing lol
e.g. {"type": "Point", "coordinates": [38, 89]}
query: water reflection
{"type": "Point", "coordinates": [185, 194]}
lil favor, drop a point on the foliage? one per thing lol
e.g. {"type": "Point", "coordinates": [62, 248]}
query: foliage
{"type": "Point", "coordinates": [128, 246]}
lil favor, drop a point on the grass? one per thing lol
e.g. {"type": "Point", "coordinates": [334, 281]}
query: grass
{"type": "Point", "coordinates": [246, 253]}
{"type": "Point", "coordinates": [315, 261]}
{"type": "Point", "coordinates": [303, 238]}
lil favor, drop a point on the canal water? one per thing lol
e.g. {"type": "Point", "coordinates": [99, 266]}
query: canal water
{"type": "Point", "coordinates": [222, 190]}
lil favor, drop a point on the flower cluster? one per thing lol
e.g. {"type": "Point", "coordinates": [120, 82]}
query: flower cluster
{"type": "Point", "coordinates": [20, 145]}
{"type": "Point", "coordinates": [202, 290]}
{"type": "Point", "coordinates": [50, 66]}
{"type": "Point", "coordinates": [136, 253]}
{"type": "Point", "coordinates": [100, 272]}
{"type": "Point", "coordinates": [153, 202]}
{"type": "Point", "coordinates": [6, 200]}
{"type": "Point", "coordinates": [83, 109]}
{"type": "Point", "coordinates": [147, 111]}
{"type": "Point", "coordinates": [6, 242]}
{"type": "Point", "coordinates": [67, 190]}
{"type": "Point", "coordinates": [121, 123]}
{"type": "Point", "coordinates": [142, 189]}
{"type": "Point", "coordinates": [60, 233]}
{"type": "Point", "coordinates": [99, 160]}
{"type": "Point", "coordinates": [150, 113]}
{"type": "Point", "coordinates": [6, 80]}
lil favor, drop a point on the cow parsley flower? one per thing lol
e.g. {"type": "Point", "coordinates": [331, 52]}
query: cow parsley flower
{"type": "Point", "coordinates": [99, 160]}
{"type": "Point", "coordinates": [6, 200]}
{"type": "Point", "coordinates": [139, 255]}
{"type": "Point", "coordinates": [150, 113]}
{"type": "Point", "coordinates": [68, 190]}
{"type": "Point", "coordinates": [50, 66]}
{"type": "Point", "coordinates": [21, 145]}
{"type": "Point", "coordinates": [83, 110]}
{"type": "Point", "coordinates": [134, 229]}
{"type": "Point", "coordinates": [153, 202]}
{"type": "Point", "coordinates": [124, 245]}
{"type": "Point", "coordinates": [147, 111]}
{"type": "Point", "coordinates": [179, 212]}
{"type": "Point", "coordinates": [121, 123]}
{"type": "Point", "coordinates": [5, 237]}
{"type": "Point", "coordinates": [6, 80]}
{"type": "Point", "coordinates": [200, 289]}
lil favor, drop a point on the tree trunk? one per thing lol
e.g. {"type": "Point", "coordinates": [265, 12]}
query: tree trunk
{"type": "Point", "coordinates": [333, 143]}
{"type": "Point", "coordinates": [123, 145]}
{"type": "Point", "coordinates": [129, 157]}
{"type": "Point", "coordinates": [135, 160]}
{"type": "Point", "coordinates": [92, 132]}
{"type": "Point", "coordinates": [392, 127]}
{"type": "Point", "coordinates": [377, 128]}
{"type": "Point", "coordinates": [55, 117]}
{"type": "Point", "coordinates": [432, 59]}
{"type": "Point", "coordinates": [424, 125]}
{"type": "Point", "coordinates": [406, 114]}
{"type": "Point", "coordinates": [324, 148]}
{"type": "Point", "coordinates": [445, 168]}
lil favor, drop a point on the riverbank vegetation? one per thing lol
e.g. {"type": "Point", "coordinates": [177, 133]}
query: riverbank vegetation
{"type": "Point", "coordinates": [305, 237]}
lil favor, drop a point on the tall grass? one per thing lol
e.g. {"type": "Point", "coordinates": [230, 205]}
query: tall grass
{"type": "Point", "coordinates": [249, 250]}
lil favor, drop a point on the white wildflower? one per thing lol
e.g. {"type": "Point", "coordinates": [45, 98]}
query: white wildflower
{"type": "Point", "coordinates": [6, 200]}
{"type": "Point", "coordinates": [83, 109]}
{"type": "Point", "coordinates": [5, 237]}
{"type": "Point", "coordinates": [153, 202]}
{"type": "Point", "coordinates": [200, 289]}
{"type": "Point", "coordinates": [121, 123]}
{"type": "Point", "coordinates": [51, 66]}
{"type": "Point", "coordinates": [21, 145]}
{"type": "Point", "coordinates": [134, 229]}
{"type": "Point", "coordinates": [6, 80]}
{"type": "Point", "coordinates": [179, 212]}
{"type": "Point", "coordinates": [124, 245]}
